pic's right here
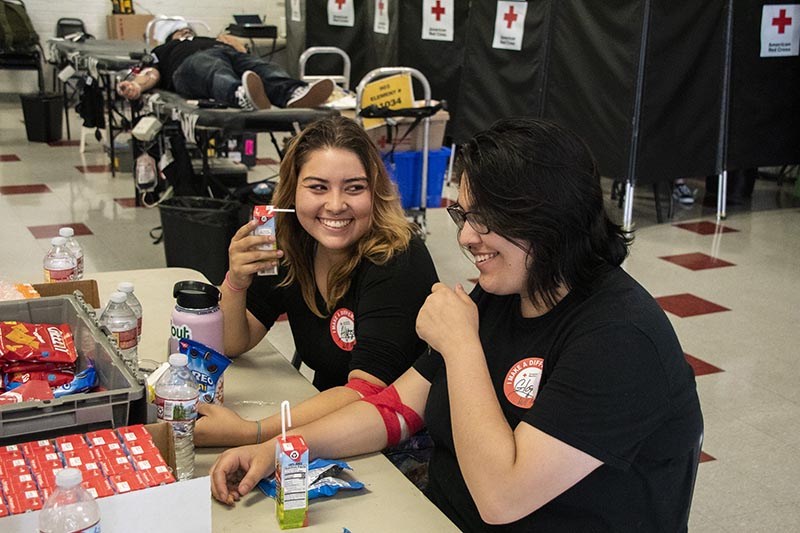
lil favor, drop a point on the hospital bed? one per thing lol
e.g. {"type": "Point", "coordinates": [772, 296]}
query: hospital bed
{"type": "Point", "coordinates": [109, 62]}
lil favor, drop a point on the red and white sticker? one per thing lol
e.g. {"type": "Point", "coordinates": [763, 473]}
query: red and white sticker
{"type": "Point", "coordinates": [522, 382]}
{"type": "Point", "coordinates": [343, 329]}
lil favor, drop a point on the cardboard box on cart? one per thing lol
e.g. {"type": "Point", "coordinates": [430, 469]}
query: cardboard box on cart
{"type": "Point", "coordinates": [414, 140]}
{"type": "Point", "coordinates": [184, 506]}
{"type": "Point", "coordinates": [127, 27]}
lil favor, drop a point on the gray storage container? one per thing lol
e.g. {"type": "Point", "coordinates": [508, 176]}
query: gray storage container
{"type": "Point", "coordinates": [120, 402]}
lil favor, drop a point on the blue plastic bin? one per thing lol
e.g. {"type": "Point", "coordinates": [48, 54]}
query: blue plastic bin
{"type": "Point", "coordinates": [405, 169]}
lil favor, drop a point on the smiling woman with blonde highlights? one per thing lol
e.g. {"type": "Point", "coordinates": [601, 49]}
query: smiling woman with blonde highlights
{"type": "Point", "coordinates": [351, 279]}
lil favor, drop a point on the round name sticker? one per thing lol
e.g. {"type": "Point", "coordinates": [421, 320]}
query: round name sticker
{"type": "Point", "coordinates": [343, 329]}
{"type": "Point", "coordinates": [522, 382]}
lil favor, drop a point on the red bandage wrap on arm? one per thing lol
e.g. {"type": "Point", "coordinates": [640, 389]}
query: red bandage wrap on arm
{"type": "Point", "coordinates": [394, 413]}
{"type": "Point", "coordinates": [363, 387]}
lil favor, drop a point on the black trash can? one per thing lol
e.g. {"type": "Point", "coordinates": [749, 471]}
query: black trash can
{"type": "Point", "coordinates": [197, 232]}
{"type": "Point", "coordinates": [43, 112]}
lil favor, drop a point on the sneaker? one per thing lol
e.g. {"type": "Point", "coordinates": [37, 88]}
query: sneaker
{"type": "Point", "coordinates": [683, 194]}
{"type": "Point", "coordinates": [251, 95]}
{"type": "Point", "coordinates": [311, 95]}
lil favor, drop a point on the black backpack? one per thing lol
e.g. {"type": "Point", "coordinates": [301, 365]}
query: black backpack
{"type": "Point", "coordinates": [16, 30]}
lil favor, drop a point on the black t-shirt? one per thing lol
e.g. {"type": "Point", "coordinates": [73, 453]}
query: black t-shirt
{"type": "Point", "coordinates": [171, 54]}
{"type": "Point", "coordinates": [373, 326]}
{"type": "Point", "coordinates": [603, 372]}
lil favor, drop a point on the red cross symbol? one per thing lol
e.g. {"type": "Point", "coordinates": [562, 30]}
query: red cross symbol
{"type": "Point", "coordinates": [383, 141]}
{"type": "Point", "coordinates": [438, 10]}
{"type": "Point", "coordinates": [510, 17]}
{"type": "Point", "coordinates": [782, 21]}
{"type": "Point", "coordinates": [380, 7]}
{"type": "Point", "coordinates": [340, 3]}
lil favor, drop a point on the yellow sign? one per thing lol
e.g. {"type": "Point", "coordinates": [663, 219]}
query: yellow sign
{"type": "Point", "coordinates": [394, 92]}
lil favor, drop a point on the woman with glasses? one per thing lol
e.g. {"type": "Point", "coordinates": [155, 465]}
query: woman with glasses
{"type": "Point", "coordinates": [556, 393]}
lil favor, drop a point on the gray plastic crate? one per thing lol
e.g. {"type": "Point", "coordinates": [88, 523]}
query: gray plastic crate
{"type": "Point", "coordinates": [121, 400]}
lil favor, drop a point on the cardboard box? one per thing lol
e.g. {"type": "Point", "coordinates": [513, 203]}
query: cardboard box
{"type": "Point", "coordinates": [88, 288]}
{"type": "Point", "coordinates": [414, 140]}
{"type": "Point", "coordinates": [127, 27]}
{"type": "Point", "coordinates": [180, 506]}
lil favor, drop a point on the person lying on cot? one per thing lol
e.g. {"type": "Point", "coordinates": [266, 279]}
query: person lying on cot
{"type": "Point", "coordinates": [352, 277]}
{"type": "Point", "coordinates": [221, 69]}
{"type": "Point", "coordinates": [556, 393]}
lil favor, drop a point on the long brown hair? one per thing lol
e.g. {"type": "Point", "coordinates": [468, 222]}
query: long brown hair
{"type": "Point", "coordinates": [389, 232]}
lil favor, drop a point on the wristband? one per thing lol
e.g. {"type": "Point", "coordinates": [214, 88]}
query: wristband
{"type": "Point", "coordinates": [258, 435]}
{"type": "Point", "coordinates": [230, 285]}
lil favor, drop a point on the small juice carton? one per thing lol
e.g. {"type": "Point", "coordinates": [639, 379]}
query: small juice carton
{"type": "Point", "coordinates": [264, 215]}
{"type": "Point", "coordinates": [291, 477]}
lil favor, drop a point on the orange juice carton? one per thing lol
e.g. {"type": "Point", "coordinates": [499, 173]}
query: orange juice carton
{"type": "Point", "coordinates": [264, 215]}
{"type": "Point", "coordinates": [291, 477]}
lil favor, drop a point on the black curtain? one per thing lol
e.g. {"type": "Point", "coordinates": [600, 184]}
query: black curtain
{"type": "Point", "coordinates": [499, 83]}
{"type": "Point", "coordinates": [439, 61]}
{"type": "Point", "coordinates": [591, 74]}
{"type": "Point", "coordinates": [765, 97]}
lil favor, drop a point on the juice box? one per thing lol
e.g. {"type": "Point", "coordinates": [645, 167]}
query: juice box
{"type": "Point", "coordinates": [264, 215]}
{"type": "Point", "coordinates": [291, 481]}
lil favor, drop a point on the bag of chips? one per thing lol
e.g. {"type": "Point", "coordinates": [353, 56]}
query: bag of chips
{"type": "Point", "coordinates": [50, 343]}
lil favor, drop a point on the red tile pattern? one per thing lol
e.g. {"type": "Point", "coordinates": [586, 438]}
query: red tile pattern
{"type": "Point", "coordinates": [65, 142]}
{"type": "Point", "coordinates": [704, 457]}
{"type": "Point", "coordinates": [24, 189]}
{"type": "Point", "coordinates": [696, 261]}
{"type": "Point", "coordinates": [8, 158]}
{"type": "Point", "coordinates": [282, 318]}
{"type": "Point", "coordinates": [51, 230]}
{"type": "Point", "coordinates": [126, 202]}
{"type": "Point", "coordinates": [446, 202]}
{"type": "Point", "coordinates": [700, 367]}
{"type": "Point", "coordinates": [686, 305]}
{"type": "Point", "coordinates": [93, 169]}
{"type": "Point", "coordinates": [705, 228]}
{"type": "Point", "coordinates": [266, 161]}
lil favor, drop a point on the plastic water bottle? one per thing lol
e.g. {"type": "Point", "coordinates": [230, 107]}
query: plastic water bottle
{"type": "Point", "coordinates": [177, 393]}
{"type": "Point", "coordinates": [74, 247]}
{"type": "Point", "coordinates": [59, 263]}
{"type": "Point", "coordinates": [70, 508]}
{"type": "Point", "coordinates": [134, 303]}
{"type": "Point", "coordinates": [120, 320]}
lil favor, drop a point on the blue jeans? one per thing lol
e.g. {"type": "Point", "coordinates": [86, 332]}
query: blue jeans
{"type": "Point", "coordinates": [217, 73]}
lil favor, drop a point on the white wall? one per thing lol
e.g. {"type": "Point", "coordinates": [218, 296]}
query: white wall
{"type": "Point", "coordinates": [216, 13]}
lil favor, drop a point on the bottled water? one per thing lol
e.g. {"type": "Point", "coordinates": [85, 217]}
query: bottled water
{"type": "Point", "coordinates": [59, 263]}
{"type": "Point", "coordinates": [73, 246]}
{"type": "Point", "coordinates": [134, 303]}
{"type": "Point", "coordinates": [70, 508]}
{"type": "Point", "coordinates": [176, 402]}
{"type": "Point", "coordinates": [121, 322]}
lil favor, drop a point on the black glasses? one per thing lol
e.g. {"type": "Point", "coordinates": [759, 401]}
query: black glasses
{"type": "Point", "coordinates": [474, 218]}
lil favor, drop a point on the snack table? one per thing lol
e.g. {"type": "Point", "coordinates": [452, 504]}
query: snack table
{"type": "Point", "coordinates": [255, 384]}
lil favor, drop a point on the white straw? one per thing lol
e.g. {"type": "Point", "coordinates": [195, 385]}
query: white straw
{"type": "Point", "coordinates": [286, 415]}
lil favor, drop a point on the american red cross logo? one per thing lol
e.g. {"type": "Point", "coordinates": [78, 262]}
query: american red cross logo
{"type": "Point", "coordinates": [510, 17]}
{"type": "Point", "coordinates": [781, 21]}
{"type": "Point", "coordinates": [438, 10]}
{"type": "Point", "coordinates": [382, 142]}
{"type": "Point", "coordinates": [380, 7]}
{"type": "Point", "coordinates": [340, 3]}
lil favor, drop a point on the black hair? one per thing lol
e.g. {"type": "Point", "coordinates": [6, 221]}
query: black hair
{"type": "Point", "coordinates": [538, 183]}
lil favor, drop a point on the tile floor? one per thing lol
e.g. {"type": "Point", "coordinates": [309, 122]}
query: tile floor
{"type": "Point", "coordinates": [731, 291]}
